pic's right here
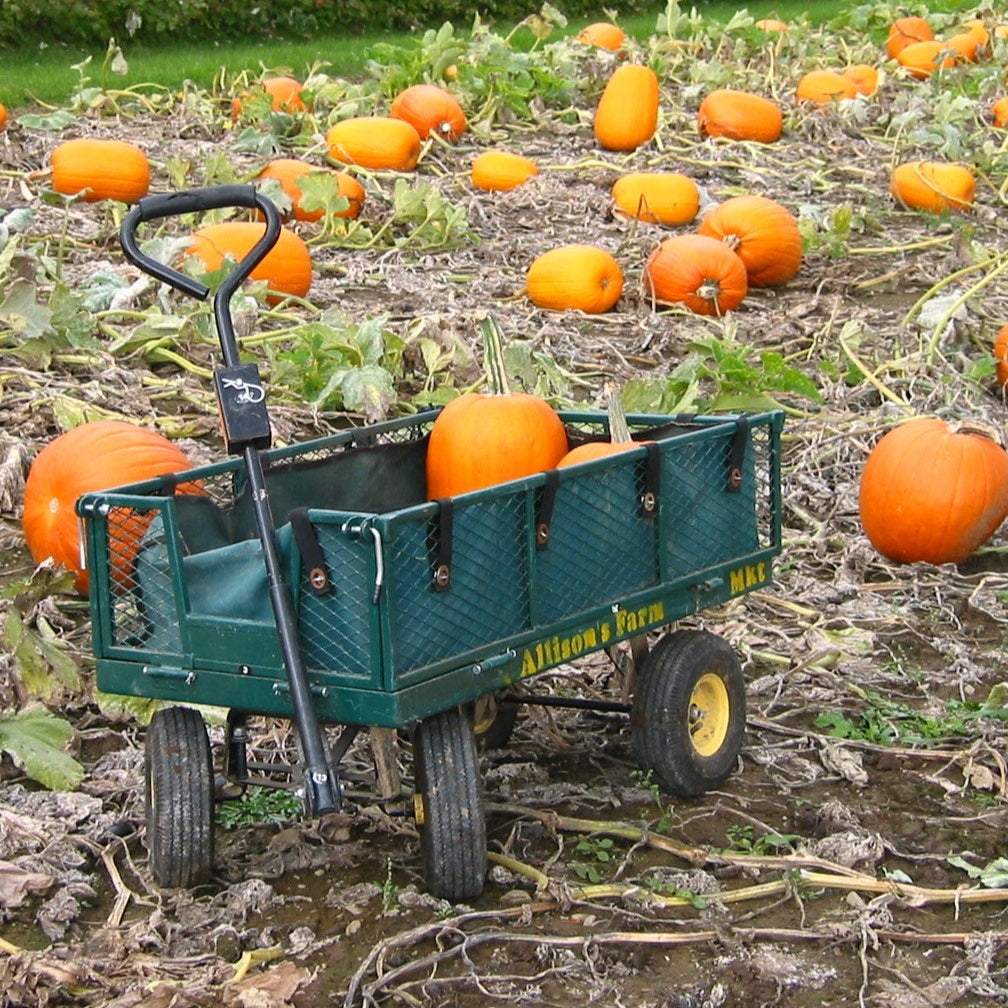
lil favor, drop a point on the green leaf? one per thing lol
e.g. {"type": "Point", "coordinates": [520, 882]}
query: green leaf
{"type": "Point", "coordinates": [321, 191]}
{"type": "Point", "coordinates": [53, 123]}
{"type": "Point", "coordinates": [992, 876]}
{"type": "Point", "coordinates": [34, 738]}
{"type": "Point", "coordinates": [743, 402]}
{"type": "Point", "coordinates": [368, 390]}
{"type": "Point", "coordinates": [29, 662]}
{"type": "Point", "coordinates": [70, 412]}
{"type": "Point", "coordinates": [22, 313]}
{"type": "Point", "coordinates": [70, 319]}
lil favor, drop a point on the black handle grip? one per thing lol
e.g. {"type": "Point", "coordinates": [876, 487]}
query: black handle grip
{"type": "Point", "coordinates": [195, 201]}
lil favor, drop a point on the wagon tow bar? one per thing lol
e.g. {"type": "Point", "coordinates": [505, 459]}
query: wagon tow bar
{"type": "Point", "coordinates": [246, 430]}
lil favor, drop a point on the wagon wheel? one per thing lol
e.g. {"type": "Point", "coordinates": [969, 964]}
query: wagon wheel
{"type": "Point", "coordinates": [178, 767]}
{"type": "Point", "coordinates": [493, 721]}
{"type": "Point", "coordinates": [689, 712]}
{"type": "Point", "coordinates": [449, 806]}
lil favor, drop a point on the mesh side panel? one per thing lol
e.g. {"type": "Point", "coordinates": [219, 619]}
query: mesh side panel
{"type": "Point", "coordinates": [144, 614]}
{"type": "Point", "coordinates": [762, 447]}
{"type": "Point", "coordinates": [600, 547]}
{"type": "Point", "coordinates": [489, 594]}
{"type": "Point", "coordinates": [704, 524]}
{"type": "Point", "coordinates": [336, 628]}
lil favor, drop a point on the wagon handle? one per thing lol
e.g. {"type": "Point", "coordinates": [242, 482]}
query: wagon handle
{"type": "Point", "coordinates": [193, 201]}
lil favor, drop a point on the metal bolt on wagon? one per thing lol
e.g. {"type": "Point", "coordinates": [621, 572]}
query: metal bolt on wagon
{"type": "Point", "coordinates": [317, 582]}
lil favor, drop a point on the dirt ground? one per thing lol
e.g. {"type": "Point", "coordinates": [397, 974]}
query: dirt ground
{"type": "Point", "coordinates": [892, 313]}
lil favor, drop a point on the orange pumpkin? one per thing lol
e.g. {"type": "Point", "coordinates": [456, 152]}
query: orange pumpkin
{"type": "Point", "coordinates": [965, 46]}
{"type": "Point", "coordinates": [772, 25]}
{"type": "Point", "coordinates": [287, 171]}
{"type": "Point", "coordinates": [480, 440]}
{"type": "Point", "coordinates": [379, 142]}
{"type": "Point", "coordinates": [1001, 355]}
{"type": "Point", "coordinates": [94, 456]}
{"type": "Point", "coordinates": [287, 269]}
{"type": "Point", "coordinates": [922, 59]}
{"type": "Point", "coordinates": [824, 87]}
{"type": "Point", "coordinates": [764, 235]}
{"type": "Point", "coordinates": [906, 31]}
{"type": "Point", "coordinates": [581, 277]}
{"type": "Point", "coordinates": [603, 35]}
{"type": "Point", "coordinates": [1001, 31]}
{"type": "Point", "coordinates": [700, 272]}
{"type": "Point", "coordinates": [430, 109]}
{"type": "Point", "coordinates": [3, 116]}
{"type": "Point", "coordinates": [933, 185]}
{"type": "Point", "coordinates": [102, 169]}
{"type": "Point", "coordinates": [619, 438]}
{"type": "Point", "coordinates": [285, 93]}
{"type": "Point", "coordinates": [949, 514]}
{"type": "Point", "coordinates": [627, 113]}
{"type": "Point", "coordinates": [863, 77]}
{"type": "Point", "coordinates": [739, 115]}
{"type": "Point", "coordinates": [979, 31]}
{"type": "Point", "coordinates": [500, 170]}
{"type": "Point", "coordinates": [1000, 112]}
{"type": "Point", "coordinates": [657, 197]}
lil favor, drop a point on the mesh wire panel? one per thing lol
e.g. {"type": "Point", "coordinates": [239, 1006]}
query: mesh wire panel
{"type": "Point", "coordinates": [144, 614]}
{"type": "Point", "coordinates": [761, 446]}
{"type": "Point", "coordinates": [489, 594]}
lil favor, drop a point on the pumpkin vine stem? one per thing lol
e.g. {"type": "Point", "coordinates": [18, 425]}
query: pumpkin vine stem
{"type": "Point", "coordinates": [493, 356]}
{"type": "Point", "coordinates": [619, 429]}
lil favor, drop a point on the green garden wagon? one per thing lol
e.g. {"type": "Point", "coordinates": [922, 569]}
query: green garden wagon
{"type": "Point", "coordinates": [317, 582]}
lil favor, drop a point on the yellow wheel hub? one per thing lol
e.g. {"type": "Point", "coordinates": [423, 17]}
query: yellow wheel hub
{"type": "Point", "coordinates": [709, 713]}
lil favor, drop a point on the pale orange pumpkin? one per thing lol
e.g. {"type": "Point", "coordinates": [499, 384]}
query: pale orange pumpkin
{"type": "Point", "coordinates": [657, 197]}
{"type": "Point", "coordinates": [378, 142]}
{"type": "Point", "coordinates": [1001, 355]}
{"type": "Point", "coordinates": [101, 169]}
{"type": "Point", "coordinates": [1001, 31]}
{"type": "Point", "coordinates": [94, 456]}
{"type": "Point", "coordinates": [763, 233]}
{"type": "Point", "coordinates": [3, 116]}
{"type": "Point", "coordinates": [739, 115]}
{"type": "Point", "coordinates": [824, 87]}
{"type": "Point", "coordinates": [288, 171]}
{"type": "Point", "coordinates": [480, 440]}
{"type": "Point", "coordinates": [1000, 112]}
{"type": "Point", "coordinates": [580, 277]}
{"type": "Point", "coordinates": [965, 46]}
{"type": "Point", "coordinates": [946, 516]}
{"type": "Point", "coordinates": [500, 170]}
{"type": "Point", "coordinates": [979, 31]}
{"type": "Point", "coordinates": [922, 59]}
{"type": "Point", "coordinates": [284, 92]}
{"type": "Point", "coordinates": [700, 272]}
{"type": "Point", "coordinates": [627, 112]}
{"type": "Point", "coordinates": [933, 186]}
{"type": "Point", "coordinates": [772, 25]}
{"type": "Point", "coordinates": [430, 109]}
{"type": "Point", "coordinates": [906, 31]}
{"type": "Point", "coordinates": [603, 35]}
{"type": "Point", "coordinates": [619, 438]}
{"type": "Point", "coordinates": [863, 77]}
{"type": "Point", "coordinates": [287, 268]}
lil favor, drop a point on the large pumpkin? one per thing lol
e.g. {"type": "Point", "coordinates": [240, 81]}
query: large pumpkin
{"type": "Point", "coordinates": [1001, 355]}
{"type": "Point", "coordinates": [906, 31]}
{"type": "Point", "coordinates": [697, 271]}
{"type": "Point", "coordinates": [739, 115]}
{"type": "Point", "coordinates": [863, 77]}
{"type": "Point", "coordinates": [934, 492]}
{"type": "Point", "coordinates": [288, 172]}
{"type": "Point", "coordinates": [575, 276]}
{"type": "Point", "coordinates": [287, 268]}
{"type": "Point", "coordinates": [94, 456]}
{"type": "Point", "coordinates": [379, 142]}
{"type": "Point", "coordinates": [102, 169]}
{"type": "Point", "coordinates": [657, 197]}
{"type": "Point", "coordinates": [934, 186]}
{"type": "Point", "coordinates": [978, 30]}
{"type": "Point", "coordinates": [284, 92]}
{"type": "Point", "coordinates": [501, 170]}
{"type": "Point", "coordinates": [603, 35]}
{"type": "Point", "coordinates": [922, 59]}
{"type": "Point", "coordinates": [824, 87]}
{"type": "Point", "coordinates": [430, 109]}
{"type": "Point", "coordinates": [965, 46]}
{"type": "Point", "coordinates": [763, 233]}
{"type": "Point", "coordinates": [1000, 112]}
{"type": "Point", "coordinates": [627, 112]}
{"type": "Point", "coordinates": [480, 440]}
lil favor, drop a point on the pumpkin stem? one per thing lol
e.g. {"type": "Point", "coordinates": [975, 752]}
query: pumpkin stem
{"type": "Point", "coordinates": [619, 429]}
{"type": "Point", "coordinates": [709, 291]}
{"type": "Point", "coordinates": [732, 240]}
{"type": "Point", "coordinates": [493, 356]}
{"type": "Point", "coordinates": [977, 427]}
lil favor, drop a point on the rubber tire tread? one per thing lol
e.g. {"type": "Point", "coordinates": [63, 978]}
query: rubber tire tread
{"type": "Point", "coordinates": [180, 832]}
{"type": "Point", "coordinates": [662, 693]}
{"type": "Point", "coordinates": [453, 834]}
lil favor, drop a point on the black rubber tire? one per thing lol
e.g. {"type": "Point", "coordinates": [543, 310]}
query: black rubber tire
{"type": "Point", "coordinates": [449, 806]}
{"type": "Point", "coordinates": [498, 733]}
{"type": "Point", "coordinates": [661, 711]}
{"type": "Point", "coordinates": [179, 798]}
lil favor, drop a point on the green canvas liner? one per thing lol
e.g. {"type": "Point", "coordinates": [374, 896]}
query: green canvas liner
{"type": "Point", "coordinates": [179, 593]}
